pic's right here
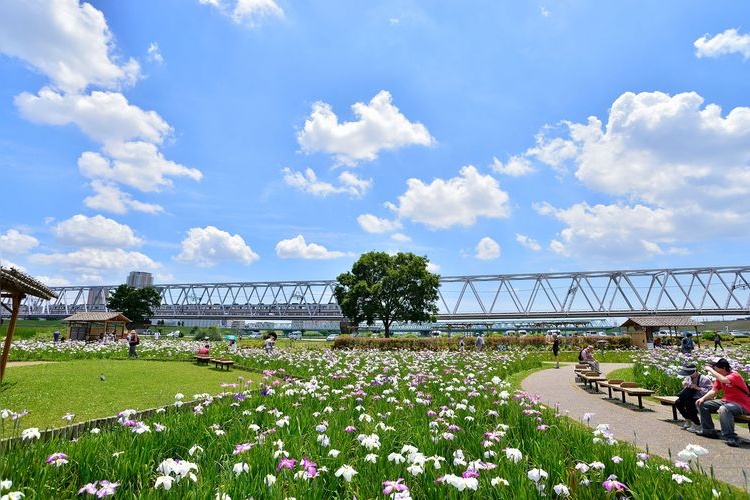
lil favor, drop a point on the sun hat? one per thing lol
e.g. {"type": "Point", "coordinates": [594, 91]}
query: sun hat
{"type": "Point", "coordinates": [720, 363]}
{"type": "Point", "coordinates": [686, 370]}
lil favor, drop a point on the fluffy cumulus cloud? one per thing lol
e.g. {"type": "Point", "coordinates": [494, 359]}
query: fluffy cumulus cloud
{"type": "Point", "coordinates": [516, 166]}
{"type": "Point", "coordinates": [208, 246]}
{"type": "Point", "coordinates": [70, 43]}
{"type": "Point", "coordinates": [676, 168]}
{"type": "Point", "coordinates": [97, 231]}
{"type": "Point", "coordinates": [297, 248]}
{"type": "Point", "coordinates": [307, 181]}
{"type": "Point", "coordinates": [90, 262]}
{"type": "Point", "coordinates": [14, 242]}
{"type": "Point", "coordinates": [139, 165]}
{"type": "Point", "coordinates": [527, 242]}
{"type": "Point", "coordinates": [487, 249]}
{"type": "Point", "coordinates": [728, 42]}
{"type": "Point", "coordinates": [110, 198]}
{"type": "Point", "coordinates": [379, 126]}
{"type": "Point", "coordinates": [106, 117]}
{"type": "Point", "coordinates": [374, 224]}
{"type": "Point", "coordinates": [458, 201]}
{"type": "Point", "coordinates": [246, 12]}
{"type": "Point", "coordinates": [66, 40]}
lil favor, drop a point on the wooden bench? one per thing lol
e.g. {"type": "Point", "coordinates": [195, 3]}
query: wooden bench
{"type": "Point", "coordinates": [610, 384]}
{"type": "Point", "coordinates": [742, 419]}
{"type": "Point", "coordinates": [221, 363]}
{"type": "Point", "coordinates": [669, 401]}
{"type": "Point", "coordinates": [201, 359]}
{"type": "Point", "coordinates": [633, 389]}
{"type": "Point", "coordinates": [590, 379]}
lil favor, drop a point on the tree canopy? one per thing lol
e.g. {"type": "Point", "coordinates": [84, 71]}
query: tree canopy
{"type": "Point", "coordinates": [135, 303]}
{"type": "Point", "coordinates": [388, 288]}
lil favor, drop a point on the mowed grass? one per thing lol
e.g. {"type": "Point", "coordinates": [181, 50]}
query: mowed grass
{"type": "Point", "coordinates": [49, 391]}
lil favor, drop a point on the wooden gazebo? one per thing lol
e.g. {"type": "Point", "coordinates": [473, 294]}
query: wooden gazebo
{"type": "Point", "coordinates": [642, 328]}
{"type": "Point", "coordinates": [91, 326]}
{"type": "Point", "coordinates": [15, 285]}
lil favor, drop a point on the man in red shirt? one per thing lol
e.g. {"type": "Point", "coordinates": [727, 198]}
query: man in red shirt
{"type": "Point", "coordinates": [736, 401]}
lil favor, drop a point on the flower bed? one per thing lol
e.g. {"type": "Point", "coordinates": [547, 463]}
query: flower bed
{"type": "Point", "coordinates": [364, 424]}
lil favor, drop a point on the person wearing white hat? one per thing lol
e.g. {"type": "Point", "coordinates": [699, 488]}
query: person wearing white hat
{"type": "Point", "coordinates": [694, 386]}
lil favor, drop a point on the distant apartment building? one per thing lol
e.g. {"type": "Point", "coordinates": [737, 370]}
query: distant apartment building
{"type": "Point", "coordinates": [138, 279]}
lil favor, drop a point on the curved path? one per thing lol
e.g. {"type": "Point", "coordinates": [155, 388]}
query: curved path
{"type": "Point", "coordinates": [650, 430]}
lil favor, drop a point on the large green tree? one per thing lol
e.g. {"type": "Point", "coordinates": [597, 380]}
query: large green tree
{"type": "Point", "coordinates": [135, 303]}
{"type": "Point", "coordinates": [388, 288]}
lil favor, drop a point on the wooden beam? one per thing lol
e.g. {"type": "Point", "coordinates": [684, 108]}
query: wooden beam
{"type": "Point", "coordinates": [9, 335]}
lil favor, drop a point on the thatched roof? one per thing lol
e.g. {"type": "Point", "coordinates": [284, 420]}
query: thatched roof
{"type": "Point", "coordinates": [14, 281]}
{"type": "Point", "coordinates": [658, 321]}
{"type": "Point", "coordinates": [98, 316]}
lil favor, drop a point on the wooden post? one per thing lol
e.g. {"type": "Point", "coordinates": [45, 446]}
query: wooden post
{"type": "Point", "coordinates": [16, 297]}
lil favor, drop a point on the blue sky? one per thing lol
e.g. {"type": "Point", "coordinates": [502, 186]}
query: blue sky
{"type": "Point", "coordinates": [256, 140]}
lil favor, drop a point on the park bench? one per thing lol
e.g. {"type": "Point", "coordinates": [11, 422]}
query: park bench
{"type": "Point", "coordinates": [202, 359]}
{"type": "Point", "coordinates": [610, 384]}
{"type": "Point", "coordinates": [633, 389]}
{"type": "Point", "coordinates": [221, 363]}
{"type": "Point", "coordinates": [580, 368]}
{"type": "Point", "coordinates": [669, 401]}
{"type": "Point", "coordinates": [591, 379]}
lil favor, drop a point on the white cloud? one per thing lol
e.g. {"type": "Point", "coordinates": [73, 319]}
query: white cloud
{"type": "Point", "coordinates": [53, 280]}
{"type": "Point", "coordinates": [136, 164]}
{"type": "Point", "coordinates": [380, 126]}
{"type": "Point", "coordinates": [105, 117]}
{"type": "Point", "coordinates": [728, 42]}
{"type": "Point", "coordinates": [14, 242]}
{"type": "Point", "coordinates": [454, 202]}
{"type": "Point", "coordinates": [308, 182]}
{"type": "Point", "coordinates": [154, 54]}
{"type": "Point", "coordinates": [528, 242]}
{"type": "Point", "coordinates": [97, 231]}
{"type": "Point", "coordinates": [400, 237]}
{"type": "Point", "coordinates": [663, 158]}
{"type": "Point", "coordinates": [516, 166]}
{"type": "Point", "coordinates": [374, 224]}
{"type": "Point", "coordinates": [206, 247]}
{"type": "Point", "coordinates": [66, 40]}
{"type": "Point", "coordinates": [297, 248]}
{"type": "Point", "coordinates": [246, 12]}
{"type": "Point", "coordinates": [487, 249]}
{"type": "Point", "coordinates": [96, 260]}
{"type": "Point", "coordinates": [544, 11]}
{"type": "Point", "coordinates": [612, 231]}
{"type": "Point", "coordinates": [109, 198]}
{"type": "Point", "coordinates": [432, 267]}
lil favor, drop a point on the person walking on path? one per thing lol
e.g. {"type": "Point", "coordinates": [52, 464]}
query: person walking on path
{"type": "Point", "coordinates": [694, 386]}
{"type": "Point", "coordinates": [56, 336]}
{"type": "Point", "coordinates": [687, 345]}
{"type": "Point", "coordinates": [556, 349]}
{"type": "Point", "coordinates": [133, 340]}
{"type": "Point", "coordinates": [717, 341]}
{"type": "Point", "coordinates": [736, 401]}
{"type": "Point", "coordinates": [479, 342]}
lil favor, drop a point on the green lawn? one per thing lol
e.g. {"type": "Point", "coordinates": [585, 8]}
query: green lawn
{"type": "Point", "coordinates": [51, 390]}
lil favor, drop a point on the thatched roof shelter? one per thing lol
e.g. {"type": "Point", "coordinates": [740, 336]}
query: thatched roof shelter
{"type": "Point", "coordinates": [15, 285]}
{"type": "Point", "coordinates": [650, 324]}
{"type": "Point", "coordinates": [95, 325]}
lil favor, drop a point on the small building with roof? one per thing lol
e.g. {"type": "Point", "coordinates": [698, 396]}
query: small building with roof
{"type": "Point", "coordinates": [92, 326]}
{"type": "Point", "coordinates": [642, 329]}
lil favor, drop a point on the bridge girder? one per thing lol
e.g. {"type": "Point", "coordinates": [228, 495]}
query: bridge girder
{"type": "Point", "coordinates": [684, 291]}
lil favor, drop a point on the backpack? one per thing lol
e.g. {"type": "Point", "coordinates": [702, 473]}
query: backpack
{"type": "Point", "coordinates": [580, 355]}
{"type": "Point", "coordinates": [136, 339]}
{"type": "Point", "coordinates": [687, 344]}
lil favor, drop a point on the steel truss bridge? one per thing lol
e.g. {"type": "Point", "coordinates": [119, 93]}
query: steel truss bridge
{"type": "Point", "coordinates": [714, 291]}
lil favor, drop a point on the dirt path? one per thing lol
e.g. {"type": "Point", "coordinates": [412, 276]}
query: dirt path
{"type": "Point", "coordinates": [27, 363]}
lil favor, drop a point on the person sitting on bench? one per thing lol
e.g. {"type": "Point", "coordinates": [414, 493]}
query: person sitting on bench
{"type": "Point", "coordinates": [203, 351]}
{"type": "Point", "coordinates": [587, 356]}
{"type": "Point", "coordinates": [694, 386]}
{"type": "Point", "coordinates": [736, 401]}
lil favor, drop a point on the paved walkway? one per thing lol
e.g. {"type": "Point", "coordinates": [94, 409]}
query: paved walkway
{"type": "Point", "coordinates": [651, 429]}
